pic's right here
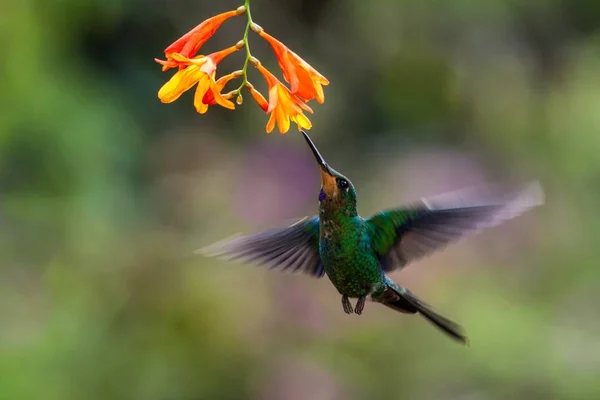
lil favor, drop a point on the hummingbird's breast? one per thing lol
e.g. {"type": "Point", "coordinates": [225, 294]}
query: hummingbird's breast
{"type": "Point", "coordinates": [349, 260]}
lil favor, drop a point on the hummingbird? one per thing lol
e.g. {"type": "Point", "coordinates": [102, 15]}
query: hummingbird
{"type": "Point", "coordinates": [357, 254]}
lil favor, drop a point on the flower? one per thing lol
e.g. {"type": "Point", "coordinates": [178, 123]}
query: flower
{"type": "Point", "coordinates": [283, 105]}
{"type": "Point", "coordinates": [286, 102]}
{"type": "Point", "coordinates": [305, 81]}
{"type": "Point", "coordinates": [190, 43]}
{"type": "Point", "coordinates": [200, 70]}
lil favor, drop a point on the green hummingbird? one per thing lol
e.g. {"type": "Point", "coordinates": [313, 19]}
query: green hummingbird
{"type": "Point", "coordinates": [357, 254]}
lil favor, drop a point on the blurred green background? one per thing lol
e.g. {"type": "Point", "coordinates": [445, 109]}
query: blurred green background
{"type": "Point", "coordinates": [105, 193]}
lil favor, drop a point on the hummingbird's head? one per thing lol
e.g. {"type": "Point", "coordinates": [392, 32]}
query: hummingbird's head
{"type": "Point", "coordinates": [336, 190]}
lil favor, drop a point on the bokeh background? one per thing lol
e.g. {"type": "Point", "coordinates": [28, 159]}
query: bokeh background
{"type": "Point", "coordinates": [106, 192]}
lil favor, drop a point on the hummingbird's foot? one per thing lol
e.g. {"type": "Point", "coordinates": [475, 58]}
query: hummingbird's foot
{"type": "Point", "coordinates": [346, 304]}
{"type": "Point", "coordinates": [360, 305]}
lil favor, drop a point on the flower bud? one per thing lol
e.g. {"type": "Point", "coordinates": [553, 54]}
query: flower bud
{"type": "Point", "coordinates": [256, 28]}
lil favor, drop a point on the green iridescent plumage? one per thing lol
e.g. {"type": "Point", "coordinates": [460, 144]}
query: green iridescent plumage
{"type": "Point", "coordinates": [356, 253]}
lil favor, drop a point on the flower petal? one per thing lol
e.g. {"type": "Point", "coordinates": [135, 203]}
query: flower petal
{"type": "Point", "coordinates": [182, 81]}
{"type": "Point", "coordinates": [283, 120]}
{"type": "Point", "coordinates": [224, 80]}
{"type": "Point", "coordinates": [201, 89]}
{"type": "Point", "coordinates": [259, 98]}
{"type": "Point", "coordinates": [309, 87]}
{"type": "Point", "coordinates": [189, 44]}
{"type": "Point", "coordinates": [300, 61]}
{"type": "Point", "coordinates": [289, 72]}
{"type": "Point", "coordinates": [282, 53]}
{"type": "Point", "coordinates": [209, 97]}
{"type": "Point", "coordinates": [269, 77]}
{"type": "Point", "coordinates": [219, 99]}
{"type": "Point", "coordinates": [273, 99]}
{"type": "Point", "coordinates": [271, 123]}
{"type": "Point", "coordinates": [303, 105]}
{"type": "Point", "coordinates": [302, 121]}
{"type": "Point", "coordinates": [218, 56]}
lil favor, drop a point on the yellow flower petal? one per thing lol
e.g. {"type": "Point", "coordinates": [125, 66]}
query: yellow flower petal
{"type": "Point", "coordinates": [283, 120]}
{"type": "Point", "coordinates": [271, 123]}
{"type": "Point", "coordinates": [182, 81]}
{"type": "Point", "coordinates": [302, 121]}
{"type": "Point", "coordinates": [203, 86]}
{"type": "Point", "coordinates": [320, 96]}
{"type": "Point", "coordinates": [219, 99]}
{"type": "Point", "coordinates": [199, 60]}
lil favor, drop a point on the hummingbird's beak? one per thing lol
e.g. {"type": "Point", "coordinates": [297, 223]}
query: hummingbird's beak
{"type": "Point", "coordinates": [327, 177]}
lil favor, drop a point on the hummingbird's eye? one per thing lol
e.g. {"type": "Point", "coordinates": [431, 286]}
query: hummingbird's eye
{"type": "Point", "coordinates": [342, 183]}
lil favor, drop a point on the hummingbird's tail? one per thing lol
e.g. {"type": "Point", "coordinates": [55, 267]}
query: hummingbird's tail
{"type": "Point", "coordinates": [402, 300]}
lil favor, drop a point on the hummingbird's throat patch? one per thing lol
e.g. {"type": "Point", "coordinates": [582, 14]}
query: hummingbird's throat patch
{"type": "Point", "coordinates": [322, 195]}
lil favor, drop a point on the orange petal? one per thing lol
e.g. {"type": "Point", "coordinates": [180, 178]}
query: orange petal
{"type": "Point", "coordinates": [219, 99]}
{"type": "Point", "coordinates": [282, 54]}
{"type": "Point", "coordinates": [201, 89]}
{"type": "Point", "coordinates": [218, 56]}
{"type": "Point", "coordinates": [182, 81]}
{"type": "Point", "coordinates": [308, 88]}
{"type": "Point", "coordinates": [259, 98]}
{"type": "Point", "coordinates": [283, 120]}
{"type": "Point", "coordinates": [269, 77]}
{"type": "Point", "coordinates": [166, 64]}
{"type": "Point", "coordinates": [313, 72]}
{"type": "Point", "coordinates": [289, 71]}
{"type": "Point", "coordinates": [271, 123]}
{"type": "Point", "coordinates": [224, 80]}
{"type": "Point", "coordinates": [319, 95]}
{"type": "Point", "coordinates": [303, 105]}
{"type": "Point", "coordinates": [183, 60]}
{"type": "Point", "coordinates": [191, 42]}
{"type": "Point", "coordinates": [178, 60]}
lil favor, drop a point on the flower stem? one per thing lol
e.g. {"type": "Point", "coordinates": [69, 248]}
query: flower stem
{"type": "Point", "coordinates": [247, 46]}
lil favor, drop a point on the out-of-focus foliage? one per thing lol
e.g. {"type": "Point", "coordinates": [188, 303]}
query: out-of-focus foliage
{"type": "Point", "coordinates": [105, 193]}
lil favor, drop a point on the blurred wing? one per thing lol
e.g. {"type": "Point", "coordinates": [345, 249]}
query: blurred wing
{"type": "Point", "coordinates": [294, 248]}
{"type": "Point", "coordinates": [401, 236]}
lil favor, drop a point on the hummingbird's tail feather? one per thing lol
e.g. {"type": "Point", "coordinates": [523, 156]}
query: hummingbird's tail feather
{"type": "Point", "coordinates": [402, 300]}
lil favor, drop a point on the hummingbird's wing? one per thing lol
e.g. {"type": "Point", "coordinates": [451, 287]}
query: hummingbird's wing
{"type": "Point", "coordinates": [403, 235]}
{"type": "Point", "coordinates": [294, 248]}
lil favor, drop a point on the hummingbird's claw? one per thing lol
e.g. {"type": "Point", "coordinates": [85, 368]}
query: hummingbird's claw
{"type": "Point", "coordinates": [360, 305]}
{"type": "Point", "coordinates": [346, 304]}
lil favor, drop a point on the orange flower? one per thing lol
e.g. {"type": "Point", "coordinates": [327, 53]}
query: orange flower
{"type": "Point", "coordinates": [283, 105]}
{"type": "Point", "coordinates": [305, 81]}
{"type": "Point", "coordinates": [190, 43]}
{"type": "Point", "coordinates": [200, 70]}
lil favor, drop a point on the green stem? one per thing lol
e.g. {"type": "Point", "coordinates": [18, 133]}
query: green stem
{"type": "Point", "coordinates": [247, 46]}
